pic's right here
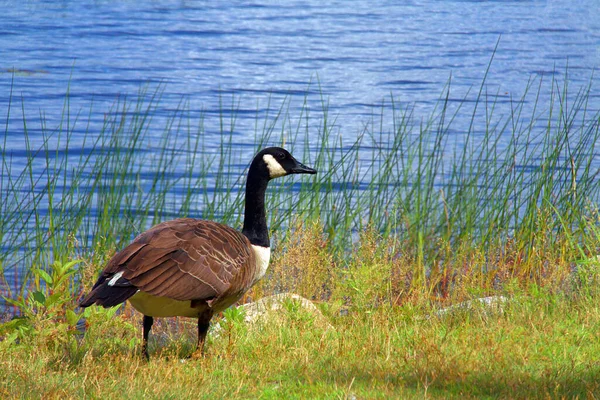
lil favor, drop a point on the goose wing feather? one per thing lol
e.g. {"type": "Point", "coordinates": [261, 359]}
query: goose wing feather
{"type": "Point", "coordinates": [184, 259]}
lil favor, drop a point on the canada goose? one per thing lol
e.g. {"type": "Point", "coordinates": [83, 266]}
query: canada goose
{"type": "Point", "coordinates": [195, 268]}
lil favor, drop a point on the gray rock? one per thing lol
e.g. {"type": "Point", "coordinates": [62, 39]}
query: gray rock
{"type": "Point", "coordinates": [491, 304]}
{"type": "Point", "coordinates": [258, 309]}
{"type": "Point", "coordinates": [275, 306]}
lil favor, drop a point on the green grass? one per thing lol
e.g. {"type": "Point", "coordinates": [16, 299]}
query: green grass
{"type": "Point", "coordinates": [376, 338]}
{"type": "Point", "coordinates": [398, 223]}
{"type": "Point", "coordinates": [543, 345]}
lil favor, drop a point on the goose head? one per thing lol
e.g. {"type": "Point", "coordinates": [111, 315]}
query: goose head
{"type": "Point", "coordinates": [274, 162]}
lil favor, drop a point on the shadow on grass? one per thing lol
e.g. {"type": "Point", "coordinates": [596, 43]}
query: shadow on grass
{"type": "Point", "coordinates": [584, 382]}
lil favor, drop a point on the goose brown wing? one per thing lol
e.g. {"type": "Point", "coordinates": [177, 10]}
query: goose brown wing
{"type": "Point", "coordinates": [183, 259]}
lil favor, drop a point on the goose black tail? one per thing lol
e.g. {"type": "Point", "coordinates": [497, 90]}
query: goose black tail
{"type": "Point", "coordinates": [107, 296]}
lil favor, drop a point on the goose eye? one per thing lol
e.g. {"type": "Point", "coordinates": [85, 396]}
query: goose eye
{"type": "Point", "coordinates": [281, 156]}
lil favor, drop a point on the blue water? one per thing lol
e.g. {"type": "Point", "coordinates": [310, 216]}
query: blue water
{"type": "Point", "coordinates": [359, 52]}
{"type": "Point", "coordinates": [354, 54]}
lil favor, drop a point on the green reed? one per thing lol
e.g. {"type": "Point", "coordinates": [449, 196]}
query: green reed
{"type": "Point", "coordinates": [528, 176]}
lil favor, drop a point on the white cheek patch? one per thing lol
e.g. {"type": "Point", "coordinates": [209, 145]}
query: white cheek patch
{"type": "Point", "coordinates": [263, 256]}
{"type": "Point", "coordinates": [275, 169]}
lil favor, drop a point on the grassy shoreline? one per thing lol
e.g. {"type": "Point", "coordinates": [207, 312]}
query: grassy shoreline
{"type": "Point", "coordinates": [542, 344]}
{"type": "Point", "coordinates": [398, 224]}
{"type": "Point", "coordinates": [523, 180]}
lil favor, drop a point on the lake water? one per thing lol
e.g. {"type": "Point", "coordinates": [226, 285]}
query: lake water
{"type": "Point", "coordinates": [359, 51]}
{"type": "Point", "coordinates": [355, 54]}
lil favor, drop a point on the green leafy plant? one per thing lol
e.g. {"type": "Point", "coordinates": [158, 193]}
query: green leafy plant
{"type": "Point", "coordinates": [47, 311]}
{"type": "Point", "coordinates": [233, 326]}
{"type": "Point", "coordinates": [49, 317]}
{"type": "Point", "coordinates": [107, 331]}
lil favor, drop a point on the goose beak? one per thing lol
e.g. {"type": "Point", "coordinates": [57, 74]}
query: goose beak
{"type": "Point", "coordinates": [300, 168]}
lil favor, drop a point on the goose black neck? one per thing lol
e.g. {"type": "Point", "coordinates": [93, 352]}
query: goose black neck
{"type": "Point", "coordinates": [255, 219]}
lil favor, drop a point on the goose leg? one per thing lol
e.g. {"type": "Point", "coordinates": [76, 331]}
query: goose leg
{"type": "Point", "coordinates": [148, 321]}
{"type": "Point", "coordinates": [203, 324]}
